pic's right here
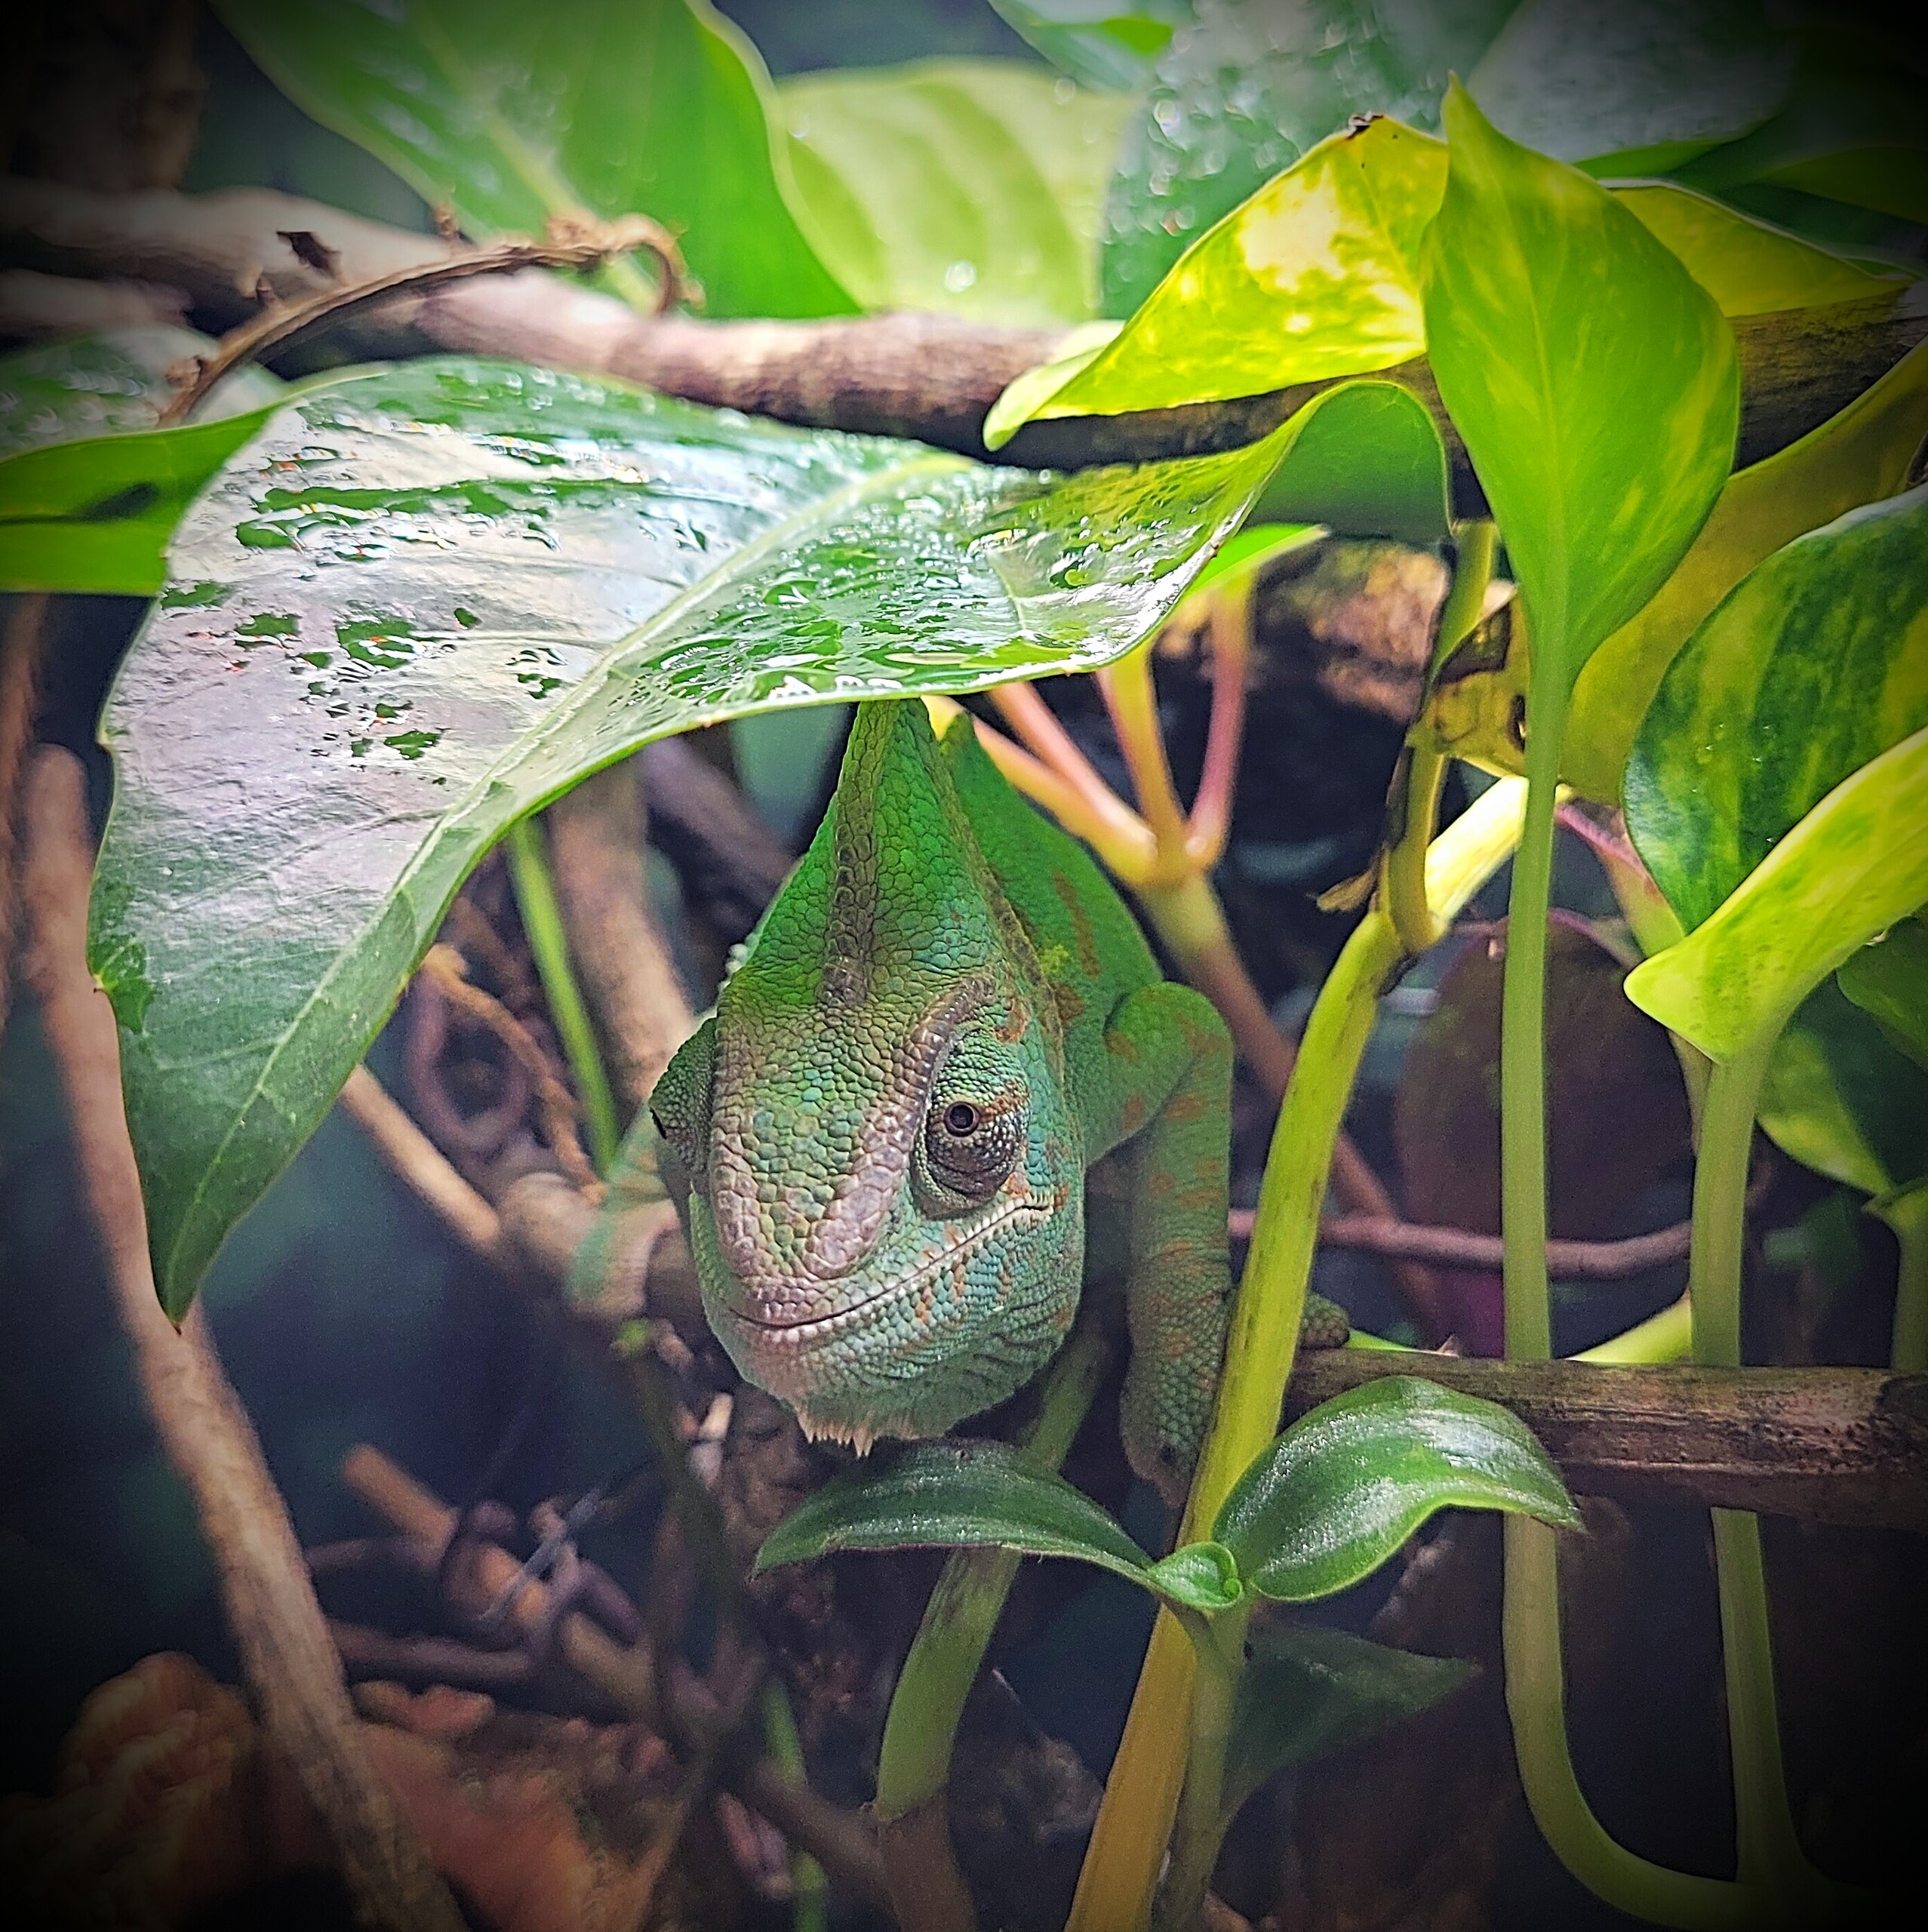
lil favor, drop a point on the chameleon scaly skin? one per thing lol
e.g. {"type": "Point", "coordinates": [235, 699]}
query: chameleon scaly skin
{"type": "Point", "coordinates": [879, 1140]}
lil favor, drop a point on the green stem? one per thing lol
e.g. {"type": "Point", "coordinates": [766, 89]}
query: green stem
{"type": "Point", "coordinates": [1536, 1678]}
{"type": "Point", "coordinates": [1769, 1852]}
{"type": "Point", "coordinates": [921, 1728]}
{"type": "Point", "coordinates": [1202, 1822]}
{"type": "Point", "coordinates": [1907, 1214]}
{"type": "Point", "coordinates": [542, 920]}
{"type": "Point", "coordinates": [809, 1888]}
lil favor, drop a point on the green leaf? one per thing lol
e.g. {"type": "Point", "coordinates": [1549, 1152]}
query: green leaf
{"type": "Point", "coordinates": [1889, 981]}
{"type": "Point", "coordinates": [428, 599]}
{"type": "Point", "coordinates": [1749, 266]}
{"type": "Point", "coordinates": [1857, 863]}
{"type": "Point", "coordinates": [971, 187]}
{"type": "Point", "coordinates": [1364, 459]}
{"type": "Point", "coordinates": [1249, 89]}
{"type": "Point", "coordinates": [1863, 453]}
{"type": "Point", "coordinates": [1637, 88]}
{"type": "Point", "coordinates": [1841, 1100]}
{"type": "Point", "coordinates": [1306, 1693]}
{"type": "Point", "coordinates": [1202, 1576]}
{"type": "Point", "coordinates": [1814, 664]}
{"type": "Point", "coordinates": [1345, 1486]}
{"type": "Point", "coordinates": [1099, 43]}
{"type": "Point", "coordinates": [510, 113]}
{"type": "Point", "coordinates": [953, 1495]}
{"type": "Point", "coordinates": [101, 385]}
{"type": "Point", "coordinates": [1548, 305]}
{"type": "Point", "coordinates": [1254, 547]}
{"type": "Point", "coordinates": [89, 490]}
{"type": "Point", "coordinates": [1311, 279]}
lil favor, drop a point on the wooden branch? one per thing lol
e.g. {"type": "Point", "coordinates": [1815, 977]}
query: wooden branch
{"type": "Point", "coordinates": [1829, 1445]}
{"type": "Point", "coordinates": [290, 1665]}
{"type": "Point", "coordinates": [1460, 1247]}
{"type": "Point", "coordinates": [926, 376]}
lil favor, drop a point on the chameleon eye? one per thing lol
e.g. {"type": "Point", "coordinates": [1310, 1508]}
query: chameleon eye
{"type": "Point", "coordinates": [970, 1145]}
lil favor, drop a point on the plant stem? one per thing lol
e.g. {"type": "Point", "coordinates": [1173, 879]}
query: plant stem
{"type": "Point", "coordinates": [810, 1890]}
{"type": "Point", "coordinates": [1769, 1847]}
{"type": "Point", "coordinates": [1115, 1887]}
{"type": "Point", "coordinates": [1664, 1337]}
{"type": "Point", "coordinates": [1218, 1644]}
{"type": "Point", "coordinates": [1536, 1678]}
{"type": "Point", "coordinates": [1907, 1214]}
{"type": "Point", "coordinates": [542, 920]}
{"type": "Point", "coordinates": [915, 1762]}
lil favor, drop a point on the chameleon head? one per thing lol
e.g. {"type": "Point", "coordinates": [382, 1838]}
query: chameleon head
{"type": "Point", "coordinates": [876, 1159]}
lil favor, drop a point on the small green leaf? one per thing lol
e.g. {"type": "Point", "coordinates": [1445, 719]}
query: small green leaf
{"type": "Point", "coordinates": [1311, 279]}
{"type": "Point", "coordinates": [1749, 266]}
{"type": "Point", "coordinates": [510, 113]}
{"type": "Point", "coordinates": [1813, 665]}
{"type": "Point", "coordinates": [1099, 43]}
{"type": "Point", "coordinates": [1862, 454]}
{"type": "Point", "coordinates": [953, 1495]}
{"type": "Point", "coordinates": [1634, 88]}
{"type": "Point", "coordinates": [545, 572]}
{"type": "Point", "coordinates": [1306, 1693]}
{"type": "Point", "coordinates": [1363, 459]}
{"type": "Point", "coordinates": [1547, 305]}
{"type": "Point", "coordinates": [973, 187]}
{"type": "Point", "coordinates": [1200, 1576]}
{"type": "Point", "coordinates": [1888, 981]}
{"type": "Point", "coordinates": [1345, 1486]}
{"type": "Point", "coordinates": [1857, 863]}
{"type": "Point", "coordinates": [1840, 1100]}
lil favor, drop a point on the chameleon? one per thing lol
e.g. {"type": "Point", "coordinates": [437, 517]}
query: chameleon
{"type": "Point", "coordinates": [945, 1058]}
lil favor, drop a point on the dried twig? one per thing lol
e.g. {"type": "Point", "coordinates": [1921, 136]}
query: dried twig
{"type": "Point", "coordinates": [1460, 1247]}
{"type": "Point", "coordinates": [290, 1664]}
{"type": "Point", "coordinates": [424, 1166]}
{"type": "Point", "coordinates": [448, 971]}
{"type": "Point", "coordinates": [578, 243]}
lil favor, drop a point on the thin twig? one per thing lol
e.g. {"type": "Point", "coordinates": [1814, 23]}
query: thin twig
{"type": "Point", "coordinates": [418, 1162]}
{"type": "Point", "coordinates": [290, 1664]}
{"type": "Point", "coordinates": [448, 971]}
{"type": "Point", "coordinates": [1462, 1248]}
{"type": "Point", "coordinates": [575, 242]}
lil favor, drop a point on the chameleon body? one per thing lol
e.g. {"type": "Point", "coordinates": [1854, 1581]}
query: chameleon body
{"type": "Point", "coordinates": [880, 1142]}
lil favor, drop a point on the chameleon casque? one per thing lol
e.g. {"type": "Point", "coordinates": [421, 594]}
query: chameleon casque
{"type": "Point", "coordinates": [880, 1142]}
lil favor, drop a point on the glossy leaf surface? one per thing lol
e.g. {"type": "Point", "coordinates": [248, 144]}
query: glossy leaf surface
{"type": "Point", "coordinates": [1841, 1100]}
{"type": "Point", "coordinates": [1636, 87]}
{"type": "Point", "coordinates": [1306, 1693]}
{"type": "Point", "coordinates": [953, 1495]}
{"type": "Point", "coordinates": [90, 492]}
{"type": "Point", "coordinates": [1855, 864]}
{"type": "Point", "coordinates": [1814, 665]}
{"type": "Point", "coordinates": [1888, 982]}
{"type": "Point", "coordinates": [1548, 305]}
{"type": "Point", "coordinates": [1098, 43]}
{"type": "Point", "coordinates": [428, 598]}
{"type": "Point", "coordinates": [1345, 1486]}
{"type": "Point", "coordinates": [1313, 277]}
{"type": "Point", "coordinates": [971, 186]}
{"type": "Point", "coordinates": [509, 113]}
{"type": "Point", "coordinates": [1862, 454]}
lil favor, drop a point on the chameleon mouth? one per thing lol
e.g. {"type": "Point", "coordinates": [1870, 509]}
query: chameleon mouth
{"type": "Point", "coordinates": [798, 1332]}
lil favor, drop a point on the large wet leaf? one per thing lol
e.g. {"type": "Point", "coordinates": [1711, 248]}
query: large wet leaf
{"type": "Point", "coordinates": [1312, 278]}
{"type": "Point", "coordinates": [428, 598]}
{"type": "Point", "coordinates": [1864, 453]}
{"type": "Point", "coordinates": [1099, 43]}
{"type": "Point", "coordinates": [1855, 864]}
{"type": "Point", "coordinates": [1548, 305]}
{"type": "Point", "coordinates": [87, 500]}
{"type": "Point", "coordinates": [1842, 1101]}
{"type": "Point", "coordinates": [973, 186]}
{"type": "Point", "coordinates": [1306, 1693]}
{"type": "Point", "coordinates": [1251, 88]}
{"type": "Point", "coordinates": [1636, 87]}
{"type": "Point", "coordinates": [1346, 1484]}
{"type": "Point", "coordinates": [1814, 665]}
{"type": "Point", "coordinates": [509, 112]}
